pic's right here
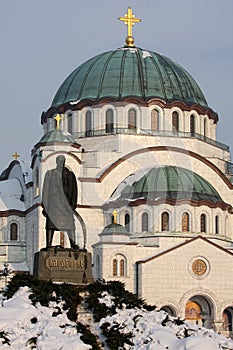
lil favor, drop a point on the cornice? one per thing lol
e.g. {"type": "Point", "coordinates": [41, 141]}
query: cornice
{"type": "Point", "coordinates": [79, 105]}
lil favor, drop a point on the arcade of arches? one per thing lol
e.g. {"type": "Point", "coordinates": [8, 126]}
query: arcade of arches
{"type": "Point", "coordinates": [199, 310]}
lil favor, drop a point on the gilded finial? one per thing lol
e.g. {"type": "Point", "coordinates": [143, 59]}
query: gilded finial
{"type": "Point", "coordinates": [129, 20]}
{"type": "Point", "coordinates": [58, 119]}
{"type": "Point", "coordinates": [15, 155]}
{"type": "Point", "coordinates": [114, 216]}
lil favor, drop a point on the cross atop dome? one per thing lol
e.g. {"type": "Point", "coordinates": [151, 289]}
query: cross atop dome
{"type": "Point", "coordinates": [15, 156]}
{"type": "Point", "coordinates": [130, 20]}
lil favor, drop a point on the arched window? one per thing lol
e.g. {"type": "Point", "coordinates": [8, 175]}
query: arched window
{"type": "Point", "coordinates": [154, 120]}
{"type": "Point", "coordinates": [132, 119]}
{"type": "Point", "coordinates": [88, 124]}
{"type": "Point", "coordinates": [70, 123]}
{"type": "Point", "coordinates": [14, 232]}
{"type": "Point", "coordinates": [165, 221]}
{"type": "Point", "coordinates": [109, 121]}
{"type": "Point", "coordinates": [36, 182]}
{"type": "Point", "coordinates": [205, 127]}
{"type": "Point", "coordinates": [192, 125]}
{"type": "Point", "coordinates": [217, 224]}
{"type": "Point", "coordinates": [122, 267]}
{"type": "Point", "coordinates": [203, 223]}
{"type": "Point", "coordinates": [185, 222]}
{"type": "Point", "coordinates": [114, 267]}
{"type": "Point", "coordinates": [127, 222]}
{"type": "Point", "coordinates": [175, 121]}
{"type": "Point", "coordinates": [144, 222]}
{"type": "Point", "coordinates": [119, 265]}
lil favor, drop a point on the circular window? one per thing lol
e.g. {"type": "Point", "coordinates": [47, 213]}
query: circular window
{"type": "Point", "coordinates": [199, 267]}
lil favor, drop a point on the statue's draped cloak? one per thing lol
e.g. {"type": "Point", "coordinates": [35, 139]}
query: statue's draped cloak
{"type": "Point", "coordinates": [59, 199]}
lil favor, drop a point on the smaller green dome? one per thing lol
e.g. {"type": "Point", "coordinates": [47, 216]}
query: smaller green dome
{"type": "Point", "coordinates": [58, 136]}
{"type": "Point", "coordinates": [166, 182]}
{"type": "Point", "coordinates": [113, 229]}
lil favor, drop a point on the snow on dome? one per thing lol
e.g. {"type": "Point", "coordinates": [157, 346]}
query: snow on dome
{"type": "Point", "coordinates": [11, 195]}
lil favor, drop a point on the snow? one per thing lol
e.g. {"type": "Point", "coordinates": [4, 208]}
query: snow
{"type": "Point", "coordinates": [22, 323]}
{"type": "Point", "coordinates": [149, 333]}
{"type": "Point", "coordinates": [26, 169]}
{"type": "Point", "coordinates": [52, 333]}
{"type": "Point", "coordinates": [10, 194]}
{"type": "Point", "coordinates": [146, 54]}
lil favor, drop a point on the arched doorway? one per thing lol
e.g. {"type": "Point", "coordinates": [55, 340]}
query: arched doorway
{"type": "Point", "coordinates": [227, 317]}
{"type": "Point", "coordinates": [199, 310]}
{"type": "Point", "coordinates": [169, 309]}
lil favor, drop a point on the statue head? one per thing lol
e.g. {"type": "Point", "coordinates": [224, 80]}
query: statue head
{"type": "Point", "coordinates": [60, 160]}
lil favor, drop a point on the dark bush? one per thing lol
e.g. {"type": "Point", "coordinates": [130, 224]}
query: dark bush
{"type": "Point", "coordinates": [87, 337]}
{"type": "Point", "coordinates": [114, 338]}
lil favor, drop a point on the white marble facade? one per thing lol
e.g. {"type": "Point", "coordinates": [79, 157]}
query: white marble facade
{"type": "Point", "coordinates": [168, 267]}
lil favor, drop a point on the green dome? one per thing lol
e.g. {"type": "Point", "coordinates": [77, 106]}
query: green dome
{"type": "Point", "coordinates": [114, 228]}
{"type": "Point", "coordinates": [129, 72]}
{"type": "Point", "coordinates": [58, 136]}
{"type": "Point", "coordinates": [166, 182]}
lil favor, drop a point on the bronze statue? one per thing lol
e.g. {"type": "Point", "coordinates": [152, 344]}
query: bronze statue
{"type": "Point", "coordinates": [59, 200]}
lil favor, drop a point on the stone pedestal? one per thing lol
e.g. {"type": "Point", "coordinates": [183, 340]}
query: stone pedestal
{"type": "Point", "coordinates": [63, 265]}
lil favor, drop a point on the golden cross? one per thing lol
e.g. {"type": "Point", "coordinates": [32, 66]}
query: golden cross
{"type": "Point", "coordinates": [129, 20]}
{"type": "Point", "coordinates": [58, 118]}
{"type": "Point", "coordinates": [114, 216]}
{"type": "Point", "coordinates": [15, 155]}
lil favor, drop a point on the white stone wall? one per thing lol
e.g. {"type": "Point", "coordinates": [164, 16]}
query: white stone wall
{"type": "Point", "coordinates": [172, 280]}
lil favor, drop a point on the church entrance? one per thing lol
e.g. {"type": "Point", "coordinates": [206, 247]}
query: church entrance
{"type": "Point", "coordinates": [199, 310]}
{"type": "Point", "coordinates": [227, 317]}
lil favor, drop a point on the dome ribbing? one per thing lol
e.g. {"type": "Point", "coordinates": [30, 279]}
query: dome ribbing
{"type": "Point", "coordinates": [129, 72]}
{"type": "Point", "coordinates": [167, 182]}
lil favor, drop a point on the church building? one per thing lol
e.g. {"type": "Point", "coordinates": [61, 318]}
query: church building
{"type": "Point", "coordinates": [155, 187]}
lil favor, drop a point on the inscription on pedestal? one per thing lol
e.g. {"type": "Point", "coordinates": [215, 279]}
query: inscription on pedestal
{"type": "Point", "coordinates": [63, 265]}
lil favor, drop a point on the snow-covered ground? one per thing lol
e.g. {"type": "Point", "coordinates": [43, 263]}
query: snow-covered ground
{"type": "Point", "coordinates": [24, 326]}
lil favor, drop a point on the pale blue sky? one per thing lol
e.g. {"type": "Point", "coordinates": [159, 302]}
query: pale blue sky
{"type": "Point", "coordinates": [43, 41]}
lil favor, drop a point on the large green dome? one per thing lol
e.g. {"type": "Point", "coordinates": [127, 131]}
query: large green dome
{"type": "Point", "coordinates": [129, 72]}
{"type": "Point", "coordinates": [166, 183]}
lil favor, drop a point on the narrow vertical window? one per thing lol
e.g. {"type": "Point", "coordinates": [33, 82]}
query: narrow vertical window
{"type": "Point", "coordinates": [13, 232]}
{"type": "Point", "coordinates": [205, 127]}
{"type": "Point", "coordinates": [109, 121]}
{"type": "Point", "coordinates": [98, 275]}
{"type": "Point", "coordinates": [132, 120]}
{"type": "Point", "coordinates": [203, 223]}
{"type": "Point", "coordinates": [192, 125]}
{"type": "Point", "coordinates": [70, 123]}
{"type": "Point", "coordinates": [36, 182]}
{"type": "Point", "coordinates": [185, 222]}
{"type": "Point", "coordinates": [114, 267]}
{"type": "Point", "coordinates": [217, 224]}
{"type": "Point", "coordinates": [122, 267]}
{"type": "Point", "coordinates": [175, 121]}
{"type": "Point", "coordinates": [154, 120]}
{"type": "Point", "coordinates": [165, 221]}
{"type": "Point", "coordinates": [88, 126]}
{"type": "Point", "coordinates": [127, 222]}
{"type": "Point", "coordinates": [144, 222]}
